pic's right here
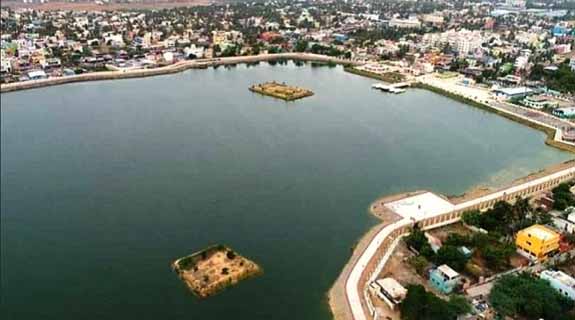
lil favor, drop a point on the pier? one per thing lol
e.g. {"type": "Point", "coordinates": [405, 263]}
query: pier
{"type": "Point", "coordinates": [392, 88]}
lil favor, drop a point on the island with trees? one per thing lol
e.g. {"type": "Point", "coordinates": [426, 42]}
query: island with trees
{"type": "Point", "coordinates": [281, 91]}
{"type": "Point", "coordinates": [213, 269]}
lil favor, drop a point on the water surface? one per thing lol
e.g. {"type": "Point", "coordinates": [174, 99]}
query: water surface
{"type": "Point", "coordinates": [105, 183]}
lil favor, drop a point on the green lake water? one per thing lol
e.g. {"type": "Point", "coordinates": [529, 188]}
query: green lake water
{"type": "Point", "coordinates": [104, 184]}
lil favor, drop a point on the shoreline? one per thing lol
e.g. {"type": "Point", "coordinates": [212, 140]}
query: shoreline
{"type": "Point", "coordinates": [170, 69]}
{"type": "Point", "coordinates": [551, 133]}
{"type": "Point", "coordinates": [337, 296]}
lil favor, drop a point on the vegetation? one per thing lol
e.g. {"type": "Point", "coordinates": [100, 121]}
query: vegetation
{"type": "Point", "coordinates": [505, 219]}
{"type": "Point", "coordinates": [422, 305]}
{"type": "Point", "coordinates": [419, 263]}
{"type": "Point", "coordinates": [213, 269]}
{"type": "Point", "coordinates": [495, 253]}
{"type": "Point", "coordinates": [563, 79]}
{"type": "Point", "coordinates": [418, 241]}
{"type": "Point", "coordinates": [390, 77]}
{"type": "Point", "coordinates": [281, 91]}
{"type": "Point", "coordinates": [447, 254]}
{"type": "Point", "coordinates": [451, 256]}
{"type": "Point", "coordinates": [529, 298]}
{"type": "Point", "coordinates": [562, 196]}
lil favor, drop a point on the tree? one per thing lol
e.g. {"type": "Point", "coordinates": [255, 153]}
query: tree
{"type": "Point", "coordinates": [497, 255]}
{"type": "Point", "coordinates": [419, 263]}
{"type": "Point", "coordinates": [452, 257]}
{"type": "Point", "coordinates": [301, 46]}
{"type": "Point", "coordinates": [528, 297]}
{"type": "Point", "coordinates": [422, 305]}
{"type": "Point", "coordinates": [459, 304]}
{"type": "Point", "coordinates": [562, 196]}
{"type": "Point", "coordinates": [537, 72]}
{"type": "Point", "coordinates": [472, 217]}
{"type": "Point", "coordinates": [418, 241]}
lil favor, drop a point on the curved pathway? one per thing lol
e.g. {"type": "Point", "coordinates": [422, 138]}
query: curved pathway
{"type": "Point", "coordinates": [364, 269]}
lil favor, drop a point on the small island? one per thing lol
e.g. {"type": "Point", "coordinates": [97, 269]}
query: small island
{"type": "Point", "coordinates": [281, 91]}
{"type": "Point", "coordinates": [213, 269]}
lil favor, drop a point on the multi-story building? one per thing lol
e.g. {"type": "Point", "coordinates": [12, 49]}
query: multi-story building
{"type": "Point", "coordinates": [540, 102]}
{"type": "Point", "coordinates": [444, 279]}
{"type": "Point", "coordinates": [537, 242]}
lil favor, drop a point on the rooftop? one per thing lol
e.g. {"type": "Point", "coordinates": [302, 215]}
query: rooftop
{"type": "Point", "coordinates": [392, 287]}
{"type": "Point", "coordinates": [420, 206]}
{"type": "Point", "coordinates": [446, 270]}
{"type": "Point", "coordinates": [559, 276]}
{"type": "Point", "coordinates": [539, 231]}
{"type": "Point", "coordinates": [514, 91]}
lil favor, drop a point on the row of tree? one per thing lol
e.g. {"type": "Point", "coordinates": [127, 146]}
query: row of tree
{"type": "Point", "coordinates": [523, 296]}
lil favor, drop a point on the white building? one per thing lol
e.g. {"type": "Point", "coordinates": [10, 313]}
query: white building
{"type": "Point", "coordinates": [565, 225]}
{"type": "Point", "coordinates": [389, 290]}
{"type": "Point", "coordinates": [522, 60]}
{"type": "Point", "coordinates": [5, 65]}
{"type": "Point", "coordinates": [194, 52]}
{"type": "Point", "coordinates": [405, 23]}
{"type": "Point", "coordinates": [561, 282]}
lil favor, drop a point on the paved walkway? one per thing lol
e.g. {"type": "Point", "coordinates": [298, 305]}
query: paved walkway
{"type": "Point", "coordinates": [483, 96]}
{"type": "Point", "coordinates": [173, 68]}
{"type": "Point", "coordinates": [354, 286]}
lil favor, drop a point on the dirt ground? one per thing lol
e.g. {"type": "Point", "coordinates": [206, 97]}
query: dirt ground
{"type": "Point", "coordinates": [443, 232]}
{"type": "Point", "coordinates": [398, 268]}
{"type": "Point", "coordinates": [217, 271]}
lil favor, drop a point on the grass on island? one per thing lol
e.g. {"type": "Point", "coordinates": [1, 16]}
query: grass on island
{"type": "Point", "coordinates": [213, 269]}
{"type": "Point", "coordinates": [281, 91]}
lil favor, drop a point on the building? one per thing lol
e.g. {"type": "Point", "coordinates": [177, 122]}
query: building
{"type": "Point", "coordinates": [444, 279]}
{"type": "Point", "coordinates": [566, 225]}
{"type": "Point", "coordinates": [568, 134]}
{"type": "Point", "coordinates": [537, 242]}
{"type": "Point", "coordinates": [433, 19]}
{"type": "Point", "coordinates": [512, 93]}
{"type": "Point", "coordinates": [540, 102]}
{"type": "Point", "coordinates": [405, 23]}
{"type": "Point", "coordinates": [37, 75]}
{"type": "Point", "coordinates": [390, 291]}
{"type": "Point", "coordinates": [194, 52]}
{"type": "Point", "coordinates": [561, 282]}
{"type": "Point", "coordinates": [568, 112]}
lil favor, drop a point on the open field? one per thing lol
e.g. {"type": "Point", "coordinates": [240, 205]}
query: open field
{"type": "Point", "coordinates": [213, 269]}
{"type": "Point", "coordinates": [281, 91]}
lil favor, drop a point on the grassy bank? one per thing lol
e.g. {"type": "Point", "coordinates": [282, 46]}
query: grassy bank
{"type": "Point", "coordinates": [389, 77]}
{"type": "Point", "coordinates": [549, 140]}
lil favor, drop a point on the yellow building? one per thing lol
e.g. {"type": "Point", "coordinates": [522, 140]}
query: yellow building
{"type": "Point", "coordinates": [537, 241]}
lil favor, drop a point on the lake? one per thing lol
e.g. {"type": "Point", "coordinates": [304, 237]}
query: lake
{"type": "Point", "coordinates": [104, 184]}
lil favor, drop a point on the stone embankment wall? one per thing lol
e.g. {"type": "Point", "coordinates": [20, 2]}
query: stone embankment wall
{"type": "Point", "coordinates": [395, 231]}
{"type": "Point", "coordinates": [174, 68]}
